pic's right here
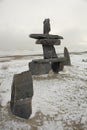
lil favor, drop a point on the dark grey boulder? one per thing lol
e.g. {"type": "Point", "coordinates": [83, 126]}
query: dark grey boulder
{"type": "Point", "coordinates": [39, 68]}
{"type": "Point", "coordinates": [48, 42]}
{"type": "Point", "coordinates": [57, 66]}
{"type": "Point", "coordinates": [49, 51]}
{"type": "Point", "coordinates": [67, 57]}
{"type": "Point", "coordinates": [21, 94]}
{"type": "Point", "coordinates": [22, 108]}
{"type": "Point", "coordinates": [45, 36]}
{"type": "Point", "coordinates": [46, 26]}
{"type": "Point", "coordinates": [44, 66]}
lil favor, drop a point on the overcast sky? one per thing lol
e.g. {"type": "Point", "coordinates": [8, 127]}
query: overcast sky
{"type": "Point", "coordinates": [19, 18]}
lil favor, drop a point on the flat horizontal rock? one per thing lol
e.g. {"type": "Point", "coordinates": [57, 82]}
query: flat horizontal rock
{"type": "Point", "coordinates": [59, 59]}
{"type": "Point", "coordinates": [48, 41]}
{"type": "Point", "coordinates": [45, 36]}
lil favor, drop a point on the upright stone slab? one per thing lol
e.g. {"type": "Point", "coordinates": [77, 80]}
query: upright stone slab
{"type": "Point", "coordinates": [46, 27]}
{"type": "Point", "coordinates": [49, 52]}
{"type": "Point", "coordinates": [21, 94]}
{"type": "Point", "coordinates": [67, 57]}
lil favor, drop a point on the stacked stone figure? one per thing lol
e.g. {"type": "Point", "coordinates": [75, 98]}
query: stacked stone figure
{"type": "Point", "coordinates": [51, 60]}
{"type": "Point", "coordinates": [22, 85]}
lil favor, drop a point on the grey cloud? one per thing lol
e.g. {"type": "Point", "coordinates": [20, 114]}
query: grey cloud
{"type": "Point", "coordinates": [19, 18]}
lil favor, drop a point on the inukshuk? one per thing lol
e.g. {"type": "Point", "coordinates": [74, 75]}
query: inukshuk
{"type": "Point", "coordinates": [22, 85]}
{"type": "Point", "coordinates": [51, 61]}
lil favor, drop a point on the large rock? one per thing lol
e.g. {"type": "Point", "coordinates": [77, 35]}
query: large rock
{"type": "Point", "coordinates": [45, 36]}
{"type": "Point", "coordinates": [43, 66]}
{"type": "Point", "coordinates": [21, 94]}
{"type": "Point", "coordinates": [57, 66]}
{"type": "Point", "coordinates": [46, 26]}
{"type": "Point", "coordinates": [49, 51]}
{"type": "Point", "coordinates": [48, 42]}
{"type": "Point", "coordinates": [67, 57]}
{"type": "Point", "coordinates": [39, 68]}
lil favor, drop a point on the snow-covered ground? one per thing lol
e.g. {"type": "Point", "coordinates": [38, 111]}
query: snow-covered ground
{"type": "Point", "coordinates": [59, 101]}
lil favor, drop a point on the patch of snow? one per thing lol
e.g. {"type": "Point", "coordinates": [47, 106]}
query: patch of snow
{"type": "Point", "coordinates": [59, 101]}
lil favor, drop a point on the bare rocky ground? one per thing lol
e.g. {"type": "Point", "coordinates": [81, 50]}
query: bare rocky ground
{"type": "Point", "coordinates": [59, 101]}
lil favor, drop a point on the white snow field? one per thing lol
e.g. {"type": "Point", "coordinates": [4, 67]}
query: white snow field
{"type": "Point", "coordinates": [59, 101]}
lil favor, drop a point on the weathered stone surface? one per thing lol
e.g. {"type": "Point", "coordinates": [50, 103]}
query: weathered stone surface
{"type": "Point", "coordinates": [49, 51]}
{"type": "Point", "coordinates": [48, 41]}
{"type": "Point", "coordinates": [67, 57]}
{"type": "Point", "coordinates": [23, 85]}
{"type": "Point", "coordinates": [58, 59]}
{"type": "Point", "coordinates": [45, 36]}
{"type": "Point", "coordinates": [57, 66]}
{"type": "Point", "coordinates": [43, 66]}
{"type": "Point", "coordinates": [22, 108]}
{"type": "Point", "coordinates": [39, 68]}
{"type": "Point", "coordinates": [22, 89]}
{"type": "Point", "coordinates": [61, 66]}
{"type": "Point", "coordinates": [46, 26]}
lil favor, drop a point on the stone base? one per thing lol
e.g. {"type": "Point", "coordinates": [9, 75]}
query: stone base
{"type": "Point", "coordinates": [21, 94]}
{"type": "Point", "coordinates": [49, 52]}
{"type": "Point", "coordinates": [44, 66]}
{"type": "Point", "coordinates": [57, 66]}
{"type": "Point", "coordinates": [39, 68]}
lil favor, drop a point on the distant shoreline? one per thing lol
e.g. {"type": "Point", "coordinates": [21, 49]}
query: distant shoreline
{"type": "Point", "coordinates": [24, 55]}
